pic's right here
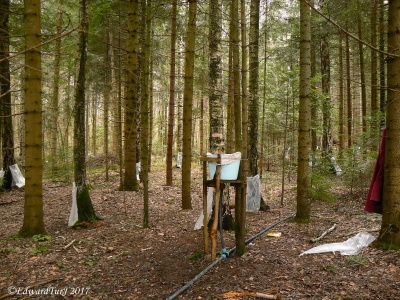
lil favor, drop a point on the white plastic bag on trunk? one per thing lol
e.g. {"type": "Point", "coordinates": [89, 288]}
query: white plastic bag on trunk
{"type": "Point", "coordinates": [73, 216]}
{"type": "Point", "coordinates": [18, 178]}
{"type": "Point", "coordinates": [200, 220]}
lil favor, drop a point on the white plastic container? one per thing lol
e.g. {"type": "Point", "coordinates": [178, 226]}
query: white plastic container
{"type": "Point", "coordinates": [230, 164]}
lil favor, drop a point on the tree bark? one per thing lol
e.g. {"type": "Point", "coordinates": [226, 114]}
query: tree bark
{"type": "Point", "coordinates": [348, 94]}
{"type": "Point", "coordinates": [106, 100]}
{"type": "Point", "coordinates": [188, 106]}
{"type": "Point", "coordinates": [326, 86]}
{"type": "Point", "coordinates": [303, 203]}
{"type": "Point", "coordinates": [215, 78]}
{"type": "Point", "coordinates": [374, 78]}
{"type": "Point", "coordinates": [7, 132]}
{"type": "Point", "coordinates": [390, 228]}
{"type": "Point", "coordinates": [171, 110]}
{"type": "Point", "coordinates": [144, 119]}
{"type": "Point", "coordinates": [56, 82]}
{"type": "Point", "coordinates": [362, 76]}
{"type": "Point", "coordinates": [382, 62]}
{"type": "Point", "coordinates": [131, 101]}
{"type": "Point", "coordinates": [253, 86]}
{"type": "Point", "coordinates": [33, 206]}
{"type": "Point", "coordinates": [85, 208]}
{"type": "Point", "coordinates": [341, 96]}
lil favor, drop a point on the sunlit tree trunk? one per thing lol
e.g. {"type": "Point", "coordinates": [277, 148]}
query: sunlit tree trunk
{"type": "Point", "coordinates": [171, 110]}
{"type": "Point", "coordinates": [131, 100]}
{"type": "Point", "coordinates": [188, 106]}
{"type": "Point", "coordinates": [303, 203]}
{"type": "Point", "coordinates": [7, 133]}
{"type": "Point", "coordinates": [390, 229]}
{"type": "Point", "coordinates": [215, 78]}
{"type": "Point", "coordinates": [33, 206]}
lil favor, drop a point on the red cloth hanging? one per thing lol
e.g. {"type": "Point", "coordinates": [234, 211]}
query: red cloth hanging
{"type": "Point", "coordinates": [374, 197]}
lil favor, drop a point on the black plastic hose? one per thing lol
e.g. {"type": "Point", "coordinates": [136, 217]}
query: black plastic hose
{"type": "Point", "coordinates": [198, 276]}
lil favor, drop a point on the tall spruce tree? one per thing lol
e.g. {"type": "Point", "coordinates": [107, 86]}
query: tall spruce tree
{"type": "Point", "coordinates": [7, 133]}
{"type": "Point", "coordinates": [390, 229]}
{"type": "Point", "coordinates": [33, 206]}
{"type": "Point", "coordinates": [303, 202]}
{"type": "Point", "coordinates": [85, 208]}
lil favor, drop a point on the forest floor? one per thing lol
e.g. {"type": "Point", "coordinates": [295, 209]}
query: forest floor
{"type": "Point", "coordinates": [118, 259]}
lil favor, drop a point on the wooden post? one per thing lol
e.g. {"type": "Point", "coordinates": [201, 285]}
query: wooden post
{"type": "Point", "coordinates": [205, 225]}
{"type": "Point", "coordinates": [213, 234]}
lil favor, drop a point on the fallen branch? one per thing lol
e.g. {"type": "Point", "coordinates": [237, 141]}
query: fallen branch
{"type": "Point", "coordinates": [358, 231]}
{"type": "Point", "coordinates": [31, 287]}
{"type": "Point", "coordinates": [267, 296]}
{"type": "Point", "coordinates": [6, 203]}
{"type": "Point", "coordinates": [324, 234]}
{"type": "Point", "coordinates": [234, 295]}
{"type": "Point", "coordinates": [69, 245]}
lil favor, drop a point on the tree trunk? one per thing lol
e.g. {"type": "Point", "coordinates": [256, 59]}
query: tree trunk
{"type": "Point", "coordinates": [382, 62]}
{"type": "Point", "coordinates": [131, 101]}
{"type": "Point", "coordinates": [94, 122]}
{"type": "Point", "coordinates": [303, 203]}
{"type": "Point", "coordinates": [241, 143]}
{"type": "Point", "coordinates": [390, 229]}
{"type": "Point", "coordinates": [188, 106]}
{"type": "Point", "coordinates": [144, 119]}
{"type": "Point", "coordinates": [362, 76]}
{"type": "Point", "coordinates": [239, 98]}
{"type": "Point", "coordinates": [171, 110]}
{"type": "Point", "coordinates": [326, 82]}
{"type": "Point", "coordinates": [374, 78]}
{"type": "Point", "coordinates": [7, 133]}
{"type": "Point", "coordinates": [341, 96]}
{"type": "Point", "coordinates": [230, 108]}
{"type": "Point", "coordinates": [85, 209]}
{"type": "Point", "coordinates": [33, 206]}
{"type": "Point", "coordinates": [348, 90]}
{"type": "Point", "coordinates": [106, 100]}
{"type": "Point", "coordinates": [56, 82]}
{"type": "Point", "coordinates": [253, 85]}
{"type": "Point", "coordinates": [314, 98]}
{"type": "Point", "coordinates": [263, 121]}
{"type": "Point", "coordinates": [179, 120]}
{"type": "Point", "coordinates": [215, 78]}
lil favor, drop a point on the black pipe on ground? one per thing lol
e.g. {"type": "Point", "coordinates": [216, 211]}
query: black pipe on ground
{"type": "Point", "coordinates": [198, 276]}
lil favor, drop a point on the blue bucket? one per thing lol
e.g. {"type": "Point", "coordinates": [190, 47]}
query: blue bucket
{"type": "Point", "coordinates": [229, 171]}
